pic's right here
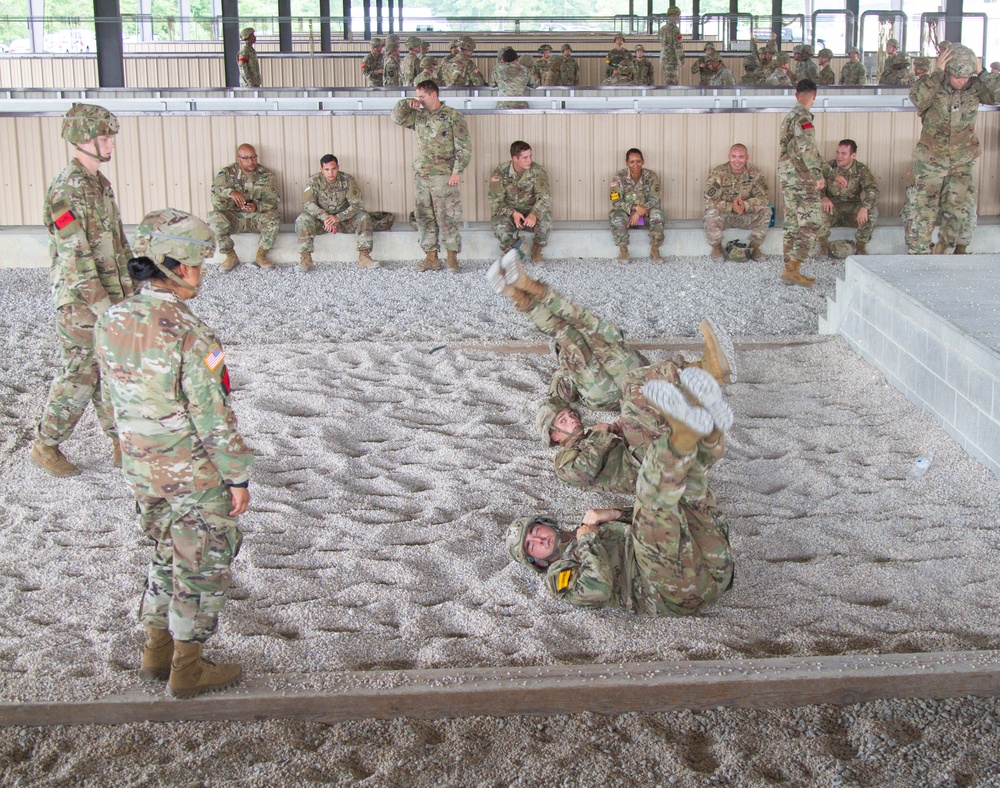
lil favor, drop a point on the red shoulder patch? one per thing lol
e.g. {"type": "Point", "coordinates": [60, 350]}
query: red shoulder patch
{"type": "Point", "coordinates": [807, 125]}
{"type": "Point", "coordinates": [226, 386]}
{"type": "Point", "coordinates": [65, 218]}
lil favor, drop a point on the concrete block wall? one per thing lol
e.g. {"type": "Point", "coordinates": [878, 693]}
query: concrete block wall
{"type": "Point", "coordinates": [935, 363]}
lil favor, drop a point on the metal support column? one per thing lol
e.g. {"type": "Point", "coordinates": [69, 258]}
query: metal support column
{"type": "Point", "coordinates": [324, 26]}
{"type": "Point", "coordinates": [367, 5]}
{"type": "Point", "coordinates": [953, 21]}
{"type": "Point", "coordinates": [184, 12]}
{"type": "Point", "coordinates": [776, 10]}
{"type": "Point", "coordinates": [284, 25]}
{"type": "Point", "coordinates": [854, 6]}
{"type": "Point", "coordinates": [378, 16]}
{"type": "Point", "coordinates": [347, 20]}
{"type": "Point", "coordinates": [695, 19]}
{"type": "Point", "coordinates": [231, 41]}
{"type": "Point", "coordinates": [108, 29]}
{"type": "Point", "coordinates": [36, 24]}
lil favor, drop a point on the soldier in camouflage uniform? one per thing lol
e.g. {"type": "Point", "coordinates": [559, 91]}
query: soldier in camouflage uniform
{"type": "Point", "coordinates": [806, 67]}
{"type": "Point", "coordinates": [410, 66]}
{"type": "Point", "coordinates": [826, 75]}
{"type": "Point", "coordinates": [569, 69]}
{"type": "Point", "coordinates": [947, 101]}
{"type": "Point", "coordinates": [461, 70]}
{"type": "Point", "coordinates": [247, 59]}
{"type": "Point", "coordinates": [89, 273]}
{"type": "Point", "coordinates": [635, 202]}
{"type": "Point", "coordinates": [444, 150]}
{"type": "Point", "coordinates": [800, 171]}
{"type": "Point", "coordinates": [671, 554]}
{"type": "Point", "coordinates": [896, 69]}
{"type": "Point", "coordinates": [546, 68]}
{"type": "Point", "coordinates": [428, 68]}
{"type": "Point", "coordinates": [736, 196]}
{"type": "Point", "coordinates": [700, 66]}
{"type": "Point", "coordinates": [245, 200]}
{"type": "Point", "coordinates": [850, 198]}
{"type": "Point", "coordinates": [164, 374]}
{"type": "Point", "coordinates": [621, 75]}
{"type": "Point", "coordinates": [671, 48]}
{"type": "Point", "coordinates": [991, 78]}
{"type": "Point", "coordinates": [721, 77]}
{"type": "Point", "coordinates": [853, 72]}
{"type": "Point", "coordinates": [779, 76]}
{"type": "Point", "coordinates": [371, 65]}
{"type": "Point", "coordinates": [512, 79]}
{"type": "Point", "coordinates": [922, 67]}
{"type": "Point", "coordinates": [520, 200]}
{"type": "Point", "coordinates": [642, 68]}
{"type": "Point", "coordinates": [391, 67]}
{"type": "Point", "coordinates": [617, 55]}
{"type": "Point", "coordinates": [765, 55]}
{"type": "Point", "coordinates": [332, 203]}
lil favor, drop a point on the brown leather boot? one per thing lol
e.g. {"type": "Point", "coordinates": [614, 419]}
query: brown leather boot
{"type": "Point", "coordinates": [536, 253]}
{"type": "Point", "coordinates": [262, 259]}
{"type": "Point", "coordinates": [365, 259]}
{"type": "Point", "coordinates": [430, 262]}
{"type": "Point", "coordinates": [116, 452]}
{"type": "Point", "coordinates": [823, 248]}
{"type": "Point", "coordinates": [453, 260]}
{"type": "Point", "coordinates": [717, 253]}
{"type": "Point", "coordinates": [522, 300]}
{"type": "Point", "coordinates": [623, 252]}
{"type": "Point", "coordinates": [305, 261]}
{"type": "Point", "coordinates": [230, 262]}
{"type": "Point", "coordinates": [960, 249]}
{"type": "Point", "coordinates": [157, 654]}
{"type": "Point", "coordinates": [191, 675]}
{"type": "Point", "coordinates": [52, 460]}
{"type": "Point", "coordinates": [654, 254]}
{"type": "Point", "coordinates": [860, 247]}
{"type": "Point", "coordinates": [755, 253]}
{"type": "Point", "coordinates": [791, 275]}
{"type": "Point", "coordinates": [940, 248]}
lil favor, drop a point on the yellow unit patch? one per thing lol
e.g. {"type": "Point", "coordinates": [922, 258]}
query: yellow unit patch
{"type": "Point", "coordinates": [563, 581]}
{"type": "Point", "coordinates": [615, 195]}
{"type": "Point", "coordinates": [214, 358]}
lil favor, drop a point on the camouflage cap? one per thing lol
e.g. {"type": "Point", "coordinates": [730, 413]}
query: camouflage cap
{"type": "Point", "coordinates": [544, 48]}
{"type": "Point", "coordinates": [673, 11]}
{"type": "Point", "coordinates": [245, 33]}
{"type": "Point", "coordinates": [468, 43]}
{"type": "Point", "coordinates": [413, 42]}
{"type": "Point", "coordinates": [176, 234]}
{"type": "Point", "coordinates": [892, 42]}
{"type": "Point", "coordinates": [517, 531]}
{"type": "Point", "coordinates": [963, 62]}
{"type": "Point", "coordinates": [824, 52]}
{"type": "Point", "coordinates": [83, 122]}
{"type": "Point", "coordinates": [841, 250]}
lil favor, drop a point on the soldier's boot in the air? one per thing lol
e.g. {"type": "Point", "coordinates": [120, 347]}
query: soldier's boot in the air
{"type": "Point", "coordinates": [940, 247]}
{"type": "Point", "coordinates": [706, 392]}
{"type": "Point", "coordinates": [452, 260]}
{"type": "Point", "coordinates": [230, 262]}
{"type": "Point", "coordinates": [823, 248]}
{"type": "Point", "coordinates": [717, 253]}
{"type": "Point", "coordinates": [51, 459]}
{"type": "Point", "coordinates": [688, 423]}
{"type": "Point", "coordinates": [791, 275]}
{"type": "Point", "coordinates": [860, 248]}
{"type": "Point", "coordinates": [623, 252]}
{"type": "Point", "coordinates": [718, 358]}
{"type": "Point", "coordinates": [755, 253]}
{"type": "Point", "coordinates": [116, 452]}
{"type": "Point", "coordinates": [191, 675]}
{"type": "Point", "coordinates": [157, 654]}
{"type": "Point", "coordinates": [305, 261]}
{"type": "Point", "coordinates": [365, 259]}
{"type": "Point", "coordinates": [960, 249]}
{"type": "Point", "coordinates": [430, 262]}
{"type": "Point", "coordinates": [536, 253]}
{"type": "Point", "coordinates": [262, 259]}
{"type": "Point", "coordinates": [522, 300]}
{"type": "Point", "coordinates": [654, 254]}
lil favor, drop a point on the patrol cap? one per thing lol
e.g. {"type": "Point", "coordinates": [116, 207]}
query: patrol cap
{"type": "Point", "coordinates": [83, 122]}
{"type": "Point", "coordinates": [841, 250]}
{"type": "Point", "coordinates": [673, 11]}
{"type": "Point", "coordinates": [516, 533]}
{"type": "Point", "coordinates": [413, 42]}
{"type": "Point", "coordinates": [963, 62]}
{"type": "Point", "coordinates": [824, 52]}
{"type": "Point", "coordinates": [176, 234]}
{"type": "Point", "coordinates": [892, 42]}
{"type": "Point", "coordinates": [245, 33]}
{"type": "Point", "coordinates": [544, 48]}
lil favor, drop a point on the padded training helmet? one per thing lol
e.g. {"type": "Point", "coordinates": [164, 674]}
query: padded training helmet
{"type": "Point", "coordinates": [963, 62]}
{"type": "Point", "coordinates": [516, 532]}
{"type": "Point", "coordinates": [176, 234]}
{"type": "Point", "coordinates": [546, 419]}
{"type": "Point", "coordinates": [841, 250]}
{"type": "Point", "coordinates": [83, 122]}
{"type": "Point", "coordinates": [737, 251]}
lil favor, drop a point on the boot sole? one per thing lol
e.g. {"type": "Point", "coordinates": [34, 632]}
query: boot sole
{"type": "Point", "coordinates": [185, 694]}
{"type": "Point", "coordinates": [670, 401]}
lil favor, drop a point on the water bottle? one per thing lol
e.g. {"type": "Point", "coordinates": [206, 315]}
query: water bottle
{"type": "Point", "coordinates": [921, 465]}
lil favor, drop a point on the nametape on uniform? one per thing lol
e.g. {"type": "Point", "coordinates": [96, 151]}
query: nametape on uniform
{"type": "Point", "coordinates": [214, 358]}
{"type": "Point", "coordinates": [563, 580]}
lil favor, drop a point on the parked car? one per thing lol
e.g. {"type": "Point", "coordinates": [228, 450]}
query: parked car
{"type": "Point", "coordinates": [73, 41]}
{"type": "Point", "coordinates": [20, 46]}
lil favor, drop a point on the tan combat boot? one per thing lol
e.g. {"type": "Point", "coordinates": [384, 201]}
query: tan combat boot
{"type": "Point", "coordinates": [862, 248]}
{"type": "Point", "coordinates": [940, 248]}
{"type": "Point", "coordinates": [522, 301]}
{"type": "Point", "coordinates": [714, 358]}
{"type": "Point", "coordinates": [960, 249]}
{"type": "Point", "coordinates": [430, 262]}
{"type": "Point", "coordinates": [717, 253]}
{"type": "Point", "coordinates": [688, 423]}
{"type": "Point", "coordinates": [623, 252]}
{"type": "Point", "coordinates": [823, 248]}
{"type": "Point", "coordinates": [157, 653]}
{"type": "Point", "coordinates": [50, 459]}
{"type": "Point", "coordinates": [305, 261]}
{"type": "Point", "coordinates": [791, 275]}
{"type": "Point", "coordinates": [452, 258]}
{"type": "Point", "coordinates": [116, 452]}
{"type": "Point", "coordinates": [262, 259]}
{"type": "Point", "coordinates": [654, 254]}
{"type": "Point", "coordinates": [365, 259]}
{"type": "Point", "coordinates": [536, 253]}
{"type": "Point", "coordinates": [191, 675]}
{"type": "Point", "coordinates": [230, 262]}
{"type": "Point", "coordinates": [755, 253]}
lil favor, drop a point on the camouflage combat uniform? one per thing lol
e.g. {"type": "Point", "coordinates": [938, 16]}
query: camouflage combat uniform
{"type": "Point", "coordinates": [249, 67]}
{"type": "Point", "coordinates": [226, 218]}
{"type": "Point", "coordinates": [701, 70]}
{"type": "Point", "coordinates": [671, 52]}
{"type": "Point", "coordinates": [807, 69]}
{"type": "Point", "coordinates": [391, 68]}
{"type": "Point", "coordinates": [779, 78]}
{"type": "Point", "coordinates": [642, 72]}
{"type": "Point", "coordinates": [89, 273]}
{"type": "Point", "coordinates": [614, 59]}
{"type": "Point", "coordinates": [943, 160]}
{"type": "Point", "coordinates": [408, 69]}
{"type": "Point", "coordinates": [853, 74]}
{"type": "Point", "coordinates": [826, 76]}
{"type": "Point", "coordinates": [526, 192]}
{"type": "Point", "coordinates": [626, 193]}
{"type": "Point", "coordinates": [444, 147]}
{"type": "Point", "coordinates": [461, 71]}
{"type": "Point", "coordinates": [164, 374]}
{"type": "Point", "coordinates": [722, 78]}
{"type": "Point", "coordinates": [371, 69]}
{"type": "Point", "coordinates": [599, 460]}
{"type": "Point", "coordinates": [799, 168]}
{"type": "Point", "coordinates": [895, 70]}
{"type": "Point", "coordinates": [546, 71]}
{"type": "Point", "coordinates": [342, 199]}
{"type": "Point", "coordinates": [861, 192]}
{"type": "Point", "coordinates": [569, 71]}
{"type": "Point", "coordinates": [512, 79]}
{"type": "Point", "coordinates": [670, 556]}
{"type": "Point", "coordinates": [722, 188]}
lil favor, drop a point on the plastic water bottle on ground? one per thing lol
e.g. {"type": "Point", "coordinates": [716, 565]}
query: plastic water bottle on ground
{"type": "Point", "coordinates": [921, 465]}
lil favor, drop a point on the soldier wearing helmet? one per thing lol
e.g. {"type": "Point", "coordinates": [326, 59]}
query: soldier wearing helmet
{"type": "Point", "coordinates": [947, 101]}
{"type": "Point", "coordinates": [89, 273]}
{"type": "Point", "coordinates": [826, 75]}
{"type": "Point", "coordinates": [671, 48]}
{"type": "Point", "coordinates": [371, 65]}
{"type": "Point", "coordinates": [569, 69]}
{"type": "Point", "coordinates": [410, 64]}
{"type": "Point", "coordinates": [616, 55]}
{"type": "Point", "coordinates": [461, 70]}
{"type": "Point", "coordinates": [247, 60]}
{"type": "Point", "coordinates": [853, 72]}
{"type": "Point", "coordinates": [669, 555]}
{"type": "Point", "coordinates": [896, 69]}
{"type": "Point", "coordinates": [700, 66]}
{"type": "Point", "coordinates": [779, 76]}
{"type": "Point", "coordinates": [805, 67]}
{"type": "Point", "coordinates": [621, 75]}
{"type": "Point", "coordinates": [721, 76]}
{"type": "Point", "coordinates": [166, 378]}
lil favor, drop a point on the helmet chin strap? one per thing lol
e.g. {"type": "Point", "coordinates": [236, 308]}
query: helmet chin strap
{"type": "Point", "coordinates": [99, 157]}
{"type": "Point", "coordinates": [193, 289]}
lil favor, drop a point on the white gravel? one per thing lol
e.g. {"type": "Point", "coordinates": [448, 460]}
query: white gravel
{"type": "Point", "coordinates": [394, 445]}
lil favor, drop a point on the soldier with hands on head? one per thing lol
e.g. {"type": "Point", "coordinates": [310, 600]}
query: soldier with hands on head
{"type": "Point", "coordinates": [333, 203]}
{"type": "Point", "coordinates": [850, 198]}
{"type": "Point", "coordinates": [621, 75]}
{"type": "Point", "coordinates": [444, 150]}
{"type": "Point", "coordinates": [720, 76]}
{"type": "Point", "coordinates": [245, 200]}
{"type": "Point", "coordinates": [853, 72]}
{"type": "Point", "coordinates": [635, 202]}
{"type": "Point", "coordinates": [89, 273]}
{"type": "Point", "coordinates": [165, 377]}
{"type": "Point", "coordinates": [520, 200]}
{"type": "Point", "coordinates": [736, 196]}
{"type": "Point", "coordinates": [247, 60]}
{"type": "Point", "coordinates": [671, 48]}
{"type": "Point", "coordinates": [700, 66]}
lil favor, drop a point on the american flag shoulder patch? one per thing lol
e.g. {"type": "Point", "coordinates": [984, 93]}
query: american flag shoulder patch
{"type": "Point", "coordinates": [214, 358]}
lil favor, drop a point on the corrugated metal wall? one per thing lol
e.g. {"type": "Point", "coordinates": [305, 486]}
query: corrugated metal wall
{"type": "Point", "coordinates": [166, 160]}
